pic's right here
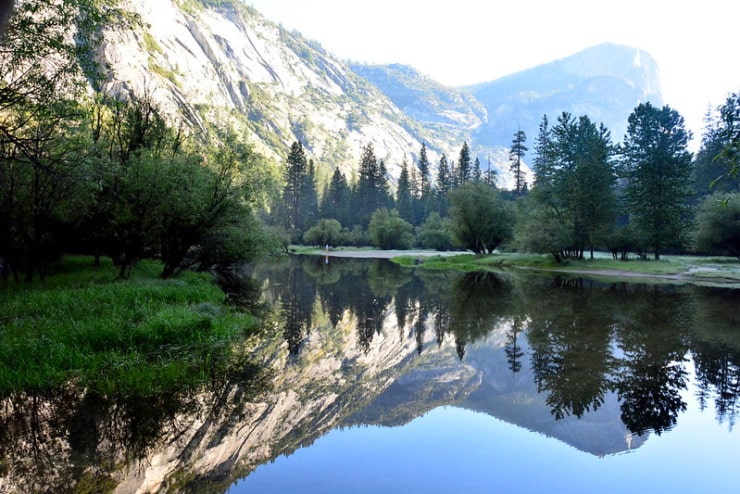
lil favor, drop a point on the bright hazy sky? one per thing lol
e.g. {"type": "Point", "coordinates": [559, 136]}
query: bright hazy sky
{"type": "Point", "coordinates": [695, 43]}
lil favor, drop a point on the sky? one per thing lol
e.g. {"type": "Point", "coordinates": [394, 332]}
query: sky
{"type": "Point", "coordinates": [695, 43]}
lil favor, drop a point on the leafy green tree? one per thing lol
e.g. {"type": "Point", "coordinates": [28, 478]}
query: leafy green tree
{"type": "Point", "coordinates": [325, 232]}
{"type": "Point", "coordinates": [388, 230]}
{"type": "Point", "coordinates": [206, 218]}
{"type": "Point", "coordinates": [482, 219]}
{"type": "Point", "coordinates": [718, 224]}
{"type": "Point", "coordinates": [539, 230]}
{"type": "Point", "coordinates": [516, 154]}
{"type": "Point", "coordinates": [43, 140]}
{"type": "Point", "coordinates": [436, 233]}
{"type": "Point", "coordinates": [657, 165]}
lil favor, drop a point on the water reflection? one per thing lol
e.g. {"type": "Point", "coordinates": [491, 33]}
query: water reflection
{"type": "Point", "coordinates": [581, 340]}
{"type": "Point", "coordinates": [598, 366]}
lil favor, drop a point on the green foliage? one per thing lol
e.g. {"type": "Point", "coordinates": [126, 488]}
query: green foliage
{"type": "Point", "coordinates": [481, 218]}
{"type": "Point", "coordinates": [718, 225]}
{"type": "Point", "coordinates": [657, 165]}
{"type": "Point", "coordinates": [325, 232]}
{"type": "Point", "coordinates": [516, 154]}
{"type": "Point", "coordinates": [372, 190]}
{"type": "Point", "coordinates": [388, 230]}
{"type": "Point", "coordinates": [575, 182]}
{"type": "Point", "coordinates": [541, 231]}
{"type": "Point", "coordinates": [716, 164]}
{"type": "Point", "coordinates": [436, 233]}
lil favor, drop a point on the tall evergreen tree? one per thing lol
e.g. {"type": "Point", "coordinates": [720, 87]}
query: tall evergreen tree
{"type": "Point", "coordinates": [575, 186]}
{"type": "Point", "coordinates": [464, 170]}
{"type": "Point", "coordinates": [335, 203]}
{"type": "Point", "coordinates": [477, 175]}
{"type": "Point", "coordinates": [489, 177]}
{"type": "Point", "coordinates": [715, 164]}
{"type": "Point", "coordinates": [425, 183]}
{"type": "Point", "coordinates": [444, 184]}
{"type": "Point", "coordinates": [309, 198]}
{"type": "Point", "coordinates": [404, 203]}
{"type": "Point", "coordinates": [516, 153]}
{"type": "Point", "coordinates": [543, 153]}
{"type": "Point", "coordinates": [296, 174]}
{"type": "Point", "coordinates": [372, 190]}
{"type": "Point", "coordinates": [657, 165]}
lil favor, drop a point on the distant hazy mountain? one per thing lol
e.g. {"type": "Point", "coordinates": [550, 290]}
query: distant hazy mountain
{"type": "Point", "coordinates": [605, 82]}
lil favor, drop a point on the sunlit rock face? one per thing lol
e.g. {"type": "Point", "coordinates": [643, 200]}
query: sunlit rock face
{"type": "Point", "coordinates": [227, 65]}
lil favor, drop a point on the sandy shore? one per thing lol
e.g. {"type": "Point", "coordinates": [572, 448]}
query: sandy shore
{"type": "Point", "coordinates": [388, 254]}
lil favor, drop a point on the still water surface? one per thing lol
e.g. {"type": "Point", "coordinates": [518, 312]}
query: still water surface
{"type": "Point", "coordinates": [522, 384]}
{"type": "Point", "coordinates": [373, 378]}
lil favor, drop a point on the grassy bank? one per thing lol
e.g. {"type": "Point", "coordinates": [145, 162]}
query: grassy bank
{"type": "Point", "coordinates": [140, 336]}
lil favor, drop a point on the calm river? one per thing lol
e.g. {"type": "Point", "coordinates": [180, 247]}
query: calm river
{"type": "Point", "coordinates": [385, 379]}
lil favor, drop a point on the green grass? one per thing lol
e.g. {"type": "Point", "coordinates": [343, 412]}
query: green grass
{"type": "Point", "coordinates": [690, 268]}
{"type": "Point", "coordinates": [140, 336]}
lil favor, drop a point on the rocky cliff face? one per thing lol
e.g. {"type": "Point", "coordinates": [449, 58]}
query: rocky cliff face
{"type": "Point", "coordinates": [222, 64]}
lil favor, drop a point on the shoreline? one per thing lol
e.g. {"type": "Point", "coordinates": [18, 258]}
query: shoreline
{"type": "Point", "coordinates": [692, 274]}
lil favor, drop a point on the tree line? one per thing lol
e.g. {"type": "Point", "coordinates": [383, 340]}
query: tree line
{"type": "Point", "coordinates": [647, 194]}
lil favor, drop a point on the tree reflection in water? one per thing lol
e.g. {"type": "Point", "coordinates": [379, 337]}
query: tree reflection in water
{"type": "Point", "coordinates": [585, 339]}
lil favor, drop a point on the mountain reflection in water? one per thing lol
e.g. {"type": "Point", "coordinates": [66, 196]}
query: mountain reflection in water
{"type": "Point", "coordinates": [599, 366]}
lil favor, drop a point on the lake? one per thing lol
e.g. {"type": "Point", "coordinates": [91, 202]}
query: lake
{"type": "Point", "coordinates": [370, 377]}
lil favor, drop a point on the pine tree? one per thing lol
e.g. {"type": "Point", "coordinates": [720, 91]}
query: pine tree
{"type": "Point", "coordinates": [425, 184]}
{"type": "Point", "coordinates": [516, 153]}
{"type": "Point", "coordinates": [543, 153]}
{"type": "Point", "coordinates": [443, 185]}
{"type": "Point", "coordinates": [657, 165]}
{"type": "Point", "coordinates": [477, 172]}
{"type": "Point", "coordinates": [309, 210]}
{"type": "Point", "coordinates": [372, 190]}
{"type": "Point", "coordinates": [463, 165]}
{"type": "Point", "coordinates": [295, 183]}
{"type": "Point", "coordinates": [403, 194]}
{"type": "Point", "coordinates": [335, 203]}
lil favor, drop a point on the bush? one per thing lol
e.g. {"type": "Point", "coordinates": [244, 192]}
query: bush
{"type": "Point", "coordinates": [718, 225]}
{"type": "Point", "coordinates": [388, 230]}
